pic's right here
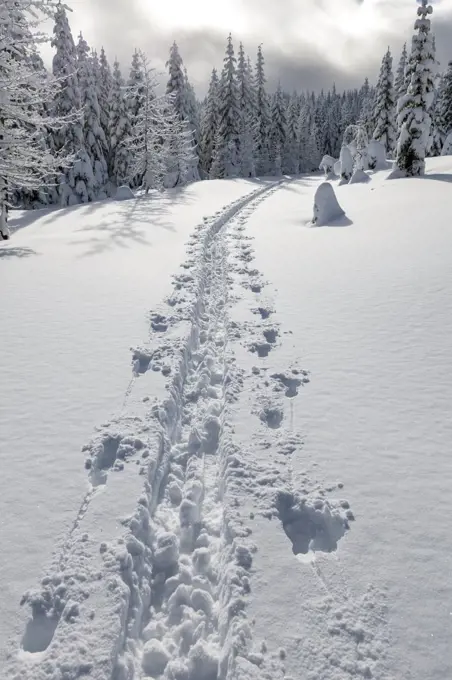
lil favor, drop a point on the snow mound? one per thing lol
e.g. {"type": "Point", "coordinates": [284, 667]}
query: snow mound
{"type": "Point", "coordinates": [377, 156]}
{"type": "Point", "coordinates": [327, 164]}
{"type": "Point", "coordinates": [326, 206]}
{"type": "Point", "coordinates": [345, 164]}
{"type": "Point", "coordinates": [123, 193]}
{"type": "Point", "coordinates": [359, 177]}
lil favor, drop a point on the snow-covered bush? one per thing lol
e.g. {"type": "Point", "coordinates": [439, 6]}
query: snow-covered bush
{"type": "Point", "coordinates": [345, 164]}
{"type": "Point", "coordinates": [327, 164]}
{"type": "Point", "coordinates": [377, 156]}
{"type": "Point", "coordinates": [359, 177]}
{"type": "Point", "coordinates": [326, 206]}
{"type": "Point", "coordinates": [123, 193]}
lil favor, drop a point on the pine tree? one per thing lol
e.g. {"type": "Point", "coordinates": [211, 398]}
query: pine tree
{"type": "Point", "coordinates": [384, 113]}
{"type": "Point", "coordinates": [226, 162]}
{"type": "Point", "coordinates": [184, 101]}
{"type": "Point", "coordinates": [278, 131]}
{"type": "Point", "coordinates": [104, 89]}
{"type": "Point", "coordinates": [25, 162]}
{"type": "Point", "coordinates": [120, 130]}
{"type": "Point", "coordinates": [94, 140]}
{"type": "Point", "coordinates": [307, 133]}
{"type": "Point", "coordinates": [291, 163]}
{"type": "Point", "coordinates": [366, 115]}
{"type": "Point", "coordinates": [400, 83]}
{"type": "Point", "coordinates": [414, 119]}
{"type": "Point", "coordinates": [135, 100]}
{"type": "Point", "coordinates": [262, 117]}
{"type": "Point", "coordinates": [247, 108]}
{"type": "Point", "coordinates": [74, 181]}
{"type": "Point", "coordinates": [209, 124]}
{"type": "Point", "coordinates": [445, 104]}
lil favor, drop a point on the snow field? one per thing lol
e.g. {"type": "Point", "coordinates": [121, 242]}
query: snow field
{"type": "Point", "coordinates": [168, 552]}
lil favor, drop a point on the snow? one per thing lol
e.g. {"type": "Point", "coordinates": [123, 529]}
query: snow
{"type": "Point", "coordinates": [266, 484]}
{"type": "Point", "coordinates": [326, 206]}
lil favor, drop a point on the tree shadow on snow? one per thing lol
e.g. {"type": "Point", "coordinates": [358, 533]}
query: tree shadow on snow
{"type": "Point", "coordinates": [16, 251]}
{"type": "Point", "coordinates": [439, 177]}
{"type": "Point", "coordinates": [134, 221]}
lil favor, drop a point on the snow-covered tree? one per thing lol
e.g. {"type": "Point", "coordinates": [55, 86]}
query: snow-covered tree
{"type": "Point", "coordinates": [262, 117]}
{"type": "Point", "coordinates": [104, 81]}
{"type": "Point", "coordinates": [247, 108]}
{"type": "Point", "coordinates": [384, 112]}
{"type": "Point", "coordinates": [74, 183]}
{"type": "Point", "coordinates": [444, 105]}
{"type": "Point", "coordinates": [292, 149]}
{"type": "Point", "coordinates": [278, 131]}
{"type": "Point", "coordinates": [400, 87]}
{"type": "Point", "coordinates": [307, 133]}
{"type": "Point", "coordinates": [184, 101]}
{"type": "Point", "coordinates": [94, 141]}
{"type": "Point", "coordinates": [120, 130]}
{"type": "Point", "coordinates": [414, 119]}
{"type": "Point", "coordinates": [209, 124]}
{"type": "Point", "coordinates": [366, 115]}
{"type": "Point", "coordinates": [25, 161]}
{"type": "Point", "coordinates": [226, 162]}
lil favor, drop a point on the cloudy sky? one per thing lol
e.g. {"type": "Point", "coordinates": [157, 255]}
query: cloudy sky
{"type": "Point", "coordinates": [308, 44]}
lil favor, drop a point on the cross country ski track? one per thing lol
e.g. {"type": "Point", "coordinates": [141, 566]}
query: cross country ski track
{"type": "Point", "coordinates": [154, 579]}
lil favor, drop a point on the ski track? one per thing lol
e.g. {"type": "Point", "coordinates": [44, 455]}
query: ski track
{"type": "Point", "coordinates": [168, 595]}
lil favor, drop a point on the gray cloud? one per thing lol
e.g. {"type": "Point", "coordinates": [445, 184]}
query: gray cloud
{"type": "Point", "coordinates": [292, 56]}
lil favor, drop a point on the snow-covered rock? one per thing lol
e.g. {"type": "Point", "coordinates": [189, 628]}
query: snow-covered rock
{"type": "Point", "coordinates": [123, 193]}
{"type": "Point", "coordinates": [326, 206]}
{"type": "Point", "coordinates": [327, 164]}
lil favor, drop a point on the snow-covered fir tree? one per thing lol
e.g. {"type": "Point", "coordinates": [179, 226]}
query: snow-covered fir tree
{"type": "Point", "coordinates": [400, 86]}
{"type": "Point", "coordinates": [247, 108]}
{"type": "Point", "coordinates": [278, 132]}
{"type": "Point", "coordinates": [292, 148]}
{"type": "Point", "coordinates": [104, 87]}
{"type": "Point", "coordinates": [384, 113]}
{"type": "Point", "coordinates": [227, 161]}
{"type": "Point", "coordinates": [262, 153]}
{"type": "Point", "coordinates": [74, 183]}
{"type": "Point", "coordinates": [209, 125]}
{"type": "Point", "coordinates": [119, 130]}
{"type": "Point", "coordinates": [367, 104]}
{"type": "Point", "coordinates": [414, 120]}
{"type": "Point", "coordinates": [444, 104]}
{"type": "Point", "coordinates": [184, 101]}
{"type": "Point", "coordinates": [307, 134]}
{"type": "Point", "coordinates": [25, 161]}
{"type": "Point", "coordinates": [94, 141]}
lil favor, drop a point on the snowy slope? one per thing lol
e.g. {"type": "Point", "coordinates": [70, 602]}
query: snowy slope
{"type": "Point", "coordinates": [270, 498]}
{"type": "Point", "coordinates": [77, 285]}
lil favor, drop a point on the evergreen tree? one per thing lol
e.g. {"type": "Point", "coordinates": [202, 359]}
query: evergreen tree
{"type": "Point", "coordinates": [278, 131]}
{"type": "Point", "coordinates": [400, 83]}
{"type": "Point", "coordinates": [94, 140]}
{"type": "Point", "coordinates": [104, 89]}
{"type": "Point", "coordinates": [119, 129]}
{"type": "Point", "coordinates": [414, 119]}
{"type": "Point", "coordinates": [226, 162]}
{"type": "Point", "coordinates": [184, 101]}
{"type": "Point", "coordinates": [291, 163]}
{"type": "Point", "coordinates": [384, 112]}
{"type": "Point", "coordinates": [209, 124]}
{"type": "Point", "coordinates": [366, 115]}
{"type": "Point", "coordinates": [444, 105]}
{"type": "Point", "coordinates": [262, 117]}
{"type": "Point", "coordinates": [247, 108]}
{"type": "Point", "coordinates": [73, 182]}
{"type": "Point", "coordinates": [135, 101]}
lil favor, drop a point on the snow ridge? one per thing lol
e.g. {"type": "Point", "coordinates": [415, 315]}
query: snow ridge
{"type": "Point", "coordinates": [164, 596]}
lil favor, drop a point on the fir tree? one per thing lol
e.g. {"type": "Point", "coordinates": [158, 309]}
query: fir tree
{"type": "Point", "coordinates": [414, 119]}
{"type": "Point", "coordinates": [400, 82]}
{"type": "Point", "coordinates": [278, 131]}
{"type": "Point", "coordinates": [119, 129]}
{"type": "Point", "coordinates": [226, 162]}
{"type": "Point", "coordinates": [292, 149]}
{"type": "Point", "coordinates": [262, 117]}
{"type": "Point", "coordinates": [444, 107]}
{"type": "Point", "coordinates": [94, 140]}
{"type": "Point", "coordinates": [104, 88]}
{"type": "Point", "coordinates": [384, 112]}
{"type": "Point", "coordinates": [247, 108]}
{"type": "Point", "coordinates": [209, 124]}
